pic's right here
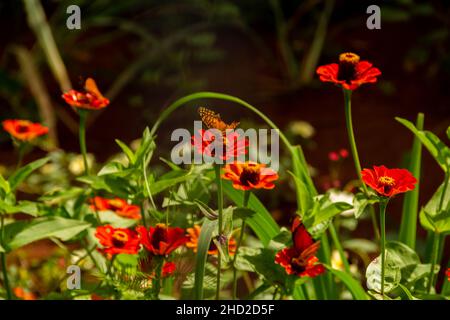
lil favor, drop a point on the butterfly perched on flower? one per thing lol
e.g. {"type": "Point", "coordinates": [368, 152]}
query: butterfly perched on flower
{"type": "Point", "coordinates": [213, 121]}
{"type": "Point", "coordinates": [300, 259]}
{"type": "Point", "coordinates": [90, 98]}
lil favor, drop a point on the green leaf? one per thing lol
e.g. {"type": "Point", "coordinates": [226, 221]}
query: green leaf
{"type": "Point", "coordinates": [243, 213]}
{"type": "Point", "coordinates": [352, 285]}
{"type": "Point", "coordinates": [21, 233]}
{"type": "Point", "coordinates": [4, 185]}
{"type": "Point", "coordinates": [408, 225]}
{"type": "Point", "coordinates": [204, 242]}
{"type": "Point", "coordinates": [439, 151]}
{"type": "Point", "coordinates": [168, 181]}
{"type": "Point", "coordinates": [27, 207]}
{"type": "Point", "coordinates": [128, 152]}
{"type": "Point", "coordinates": [20, 175]}
{"type": "Point", "coordinates": [261, 222]}
{"type": "Point", "coordinates": [361, 203]}
{"type": "Point", "coordinates": [431, 218]}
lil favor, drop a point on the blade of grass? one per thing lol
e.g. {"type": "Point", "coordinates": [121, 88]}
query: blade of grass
{"type": "Point", "coordinates": [408, 225]}
{"type": "Point", "coordinates": [204, 241]}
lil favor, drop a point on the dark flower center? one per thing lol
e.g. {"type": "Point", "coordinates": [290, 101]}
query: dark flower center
{"type": "Point", "coordinates": [119, 238]}
{"type": "Point", "coordinates": [159, 235]}
{"type": "Point", "coordinates": [250, 174]}
{"type": "Point", "coordinates": [347, 67]}
{"type": "Point", "coordinates": [387, 183]}
{"type": "Point", "coordinates": [22, 128]}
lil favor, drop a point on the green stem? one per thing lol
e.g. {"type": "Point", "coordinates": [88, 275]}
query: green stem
{"type": "Point", "coordinates": [82, 138]}
{"type": "Point", "coordinates": [383, 205]}
{"type": "Point", "coordinates": [241, 237]}
{"type": "Point", "coordinates": [156, 282]}
{"type": "Point", "coordinates": [434, 255]}
{"type": "Point", "coordinates": [218, 169]}
{"type": "Point", "coordinates": [21, 152]}
{"type": "Point", "coordinates": [339, 248]}
{"type": "Point", "coordinates": [354, 150]}
{"type": "Point", "coordinates": [3, 258]}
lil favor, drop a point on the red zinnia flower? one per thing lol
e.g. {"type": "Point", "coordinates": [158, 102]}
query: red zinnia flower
{"type": "Point", "coordinates": [350, 73]}
{"type": "Point", "coordinates": [232, 144]}
{"type": "Point", "coordinates": [388, 182]}
{"type": "Point", "coordinates": [300, 259]}
{"type": "Point", "coordinates": [23, 294]}
{"type": "Point", "coordinates": [91, 98]}
{"type": "Point", "coordinates": [250, 175]}
{"type": "Point", "coordinates": [117, 240]}
{"type": "Point", "coordinates": [119, 206]}
{"type": "Point", "coordinates": [194, 234]}
{"type": "Point", "coordinates": [162, 240]}
{"type": "Point", "coordinates": [24, 130]}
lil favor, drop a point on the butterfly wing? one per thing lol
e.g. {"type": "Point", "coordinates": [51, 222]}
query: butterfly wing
{"type": "Point", "coordinates": [91, 87]}
{"type": "Point", "coordinates": [213, 120]}
{"type": "Point", "coordinates": [300, 236]}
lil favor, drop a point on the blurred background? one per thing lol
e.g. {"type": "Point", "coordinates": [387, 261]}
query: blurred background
{"type": "Point", "coordinates": [144, 54]}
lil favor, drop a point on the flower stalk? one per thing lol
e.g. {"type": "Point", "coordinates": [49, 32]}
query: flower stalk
{"type": "Point", "coordinates": [82, 138]}
{"type": "Point", "coordinates": [383, 205]}
{"type": "Point", "coordinates": [354, 150]}
{"type": "Point", "coordinates": [3, 261]}
{"type": "Point", "coordinates": [218, 169]}
{"type": "Point", "coordinates": [241, 237]}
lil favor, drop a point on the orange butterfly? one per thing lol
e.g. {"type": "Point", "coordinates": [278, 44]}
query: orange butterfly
{"type": "Point", "coordinates": [213, 121]}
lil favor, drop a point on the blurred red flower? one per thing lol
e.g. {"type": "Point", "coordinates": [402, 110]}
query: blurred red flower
{"type": "Point", "coordinates": [350, 73]}
{"type": "Point", "coordinates": [388, 182]}
{"type": "Point", "coordinates": [250, 175]}
{"type": "Point", "coordinates": [333, 156]}
{"type": "Point", "coordinates": [232, 144]}
{"type": "Point", "coordinates": [300, 259]}
{"type": "Point", "coordinates": [168, 269]}
{"type": "Point", "coordinates": [91, 98]}
{"type": "Point", "coordinates": [118, 206]}
{"type": "Point", "coordinates": [162, 240]}
{"type": "Point", "coordinates": [23, 294]}
{"type": "Point", "coordinates": [117, 240]}
{"type": "Point", "coordinates": [447, 273]}
{"type": "Point", "coordinates": [24, 130]}
{"type": "Point", "coordinates": [194, 234]}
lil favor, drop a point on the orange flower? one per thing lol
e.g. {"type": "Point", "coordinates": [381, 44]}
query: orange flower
{"type": "Point", "coordinates": [91, 98]}
{"type": "Point", "coordinates": [118, 206]}
{"type": "Point", "coordinates": [232, 144]}
{"type": "Point", "coordinates": [24, 130]}
{"type": "Point", "coordinates": [161, 240]}
{"type": "Point", "coordinates": [24, 295]}
{"type": "Point", "coordinates": [250, 175]}
{"type": "Point", "coordinates": [350, 73]}
{"type": "Point", "coordinates": [388, 182]}
{"type": "Point", "coordinates": [300, 259]}
{"type": "Point", "coordinates": [117, 240]}
{"type": "Point", "coordinates": [194, 234]}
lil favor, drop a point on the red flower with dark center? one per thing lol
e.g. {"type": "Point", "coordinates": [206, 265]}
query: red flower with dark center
{"type": "Point", "coordinates": [350, 73]}
{"type": "Point", "coordinates": [231, 144]}
{"type": "Point", "coordinates": [194, 234]}
{"type": "Point", "coordinates": [250, 175]}
{"type": "Point", "coordinates": [388, 182]}
{"type": "Point", "coordinates": [24, 130]}
{"type": "Point", "coordinates": [300, 259]}
{"type": "Point", "coordinates": [162, 240]}
{"type": "Point", "coordinates": [118, 206]}
{"type": "Point", "coordinates": [117, 240]}
{"type": "Point", "coordinates": [91, 98]}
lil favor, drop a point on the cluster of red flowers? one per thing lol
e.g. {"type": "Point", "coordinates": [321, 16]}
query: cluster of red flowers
{"type": "Point", "coordinates": [338, 155]}
{"type": "Point", "coordinates": [231, 145]}
{"type": "Point", "coordinates": [300, 259]}
{"type": "Point", "coordinates": [118, 206]}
